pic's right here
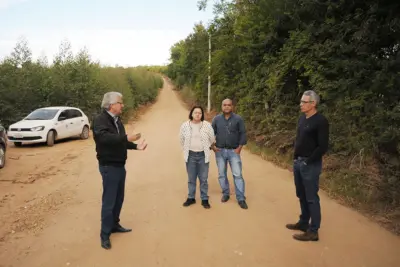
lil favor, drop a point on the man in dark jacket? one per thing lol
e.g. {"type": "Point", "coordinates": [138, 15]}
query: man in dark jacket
{"type": "Point", "coordinates": [111, 146]}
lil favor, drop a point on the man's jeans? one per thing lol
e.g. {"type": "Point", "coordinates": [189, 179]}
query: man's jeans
{"type": "Point", "coordinates": [113, 197]}
{"type": "Point", "coordinates": [306, 179]}
{"type": "Point", "coordinates": [196, 167]}
{"type": "Point", "coordinates": [223, 157]}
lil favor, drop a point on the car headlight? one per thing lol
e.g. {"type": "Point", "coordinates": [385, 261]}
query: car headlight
{"type": "Point", "coordinates": [38, 128]}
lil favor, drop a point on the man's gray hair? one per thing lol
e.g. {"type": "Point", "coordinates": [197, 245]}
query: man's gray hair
{"type": "Point", "coordinates": [313, 96]}
{"type": "Point", "coordinates": [109, 99]}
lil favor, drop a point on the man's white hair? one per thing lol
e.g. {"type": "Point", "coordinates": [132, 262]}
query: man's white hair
{"type": "Point", "coordinates": [313, 96]}
{"type": "Point", "coordinates": [109, 99]}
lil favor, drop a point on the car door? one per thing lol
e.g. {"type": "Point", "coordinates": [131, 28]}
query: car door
{"type": "Point", "coordinates": [78, 121]}
{"type": "Point", "coordinates": [73, 123]}
{"type": "Point", "coordinates": [64, 124]}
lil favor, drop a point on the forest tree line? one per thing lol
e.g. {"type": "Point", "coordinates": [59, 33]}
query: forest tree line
{"type": "Point", "coordinates": [266, 53]}
{"type": "Point", "coordinates": [70, 80]}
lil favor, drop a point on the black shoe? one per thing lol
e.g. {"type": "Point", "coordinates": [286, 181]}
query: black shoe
{"type": "Point", "coordinates": [120, 229]}
{"type": "Point", "coordinates": [307, 236]}
{"type": "Point", "coordinates": [297, 226]}
{"type": "Point", "coordinates": [106, 243]}
{"type": "Point", "coordinates": [189, 202]}
{"type": "Point", "coordinates": [243, 204]}
{"type": "Point", "coordinates": [225, 198]}
{"type": "Point", "coordinates": [205, 204]}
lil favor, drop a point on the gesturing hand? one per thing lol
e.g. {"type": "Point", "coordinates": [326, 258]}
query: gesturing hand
{"type": "Point", "coordinates": [142, 145]}
{"type": "Point", "coordinates": [133, 137]}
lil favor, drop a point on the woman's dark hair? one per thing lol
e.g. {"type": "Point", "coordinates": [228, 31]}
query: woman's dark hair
{"type": "Point", "coordinates": [191, 113]}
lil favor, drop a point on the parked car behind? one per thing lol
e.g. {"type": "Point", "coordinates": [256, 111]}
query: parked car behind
{"type": "Point", "coordinates": [50, 124]}
{"type": "Point", "coordinates": [3, 146]}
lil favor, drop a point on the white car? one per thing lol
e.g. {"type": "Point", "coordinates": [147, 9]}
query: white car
{"type": "Point", "coordinates": [49, 124]}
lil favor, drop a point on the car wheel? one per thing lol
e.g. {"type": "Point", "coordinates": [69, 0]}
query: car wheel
{"type": "Point", "coordinates": [85, 132]}
{"type": "Point", "coordinates": [2, 157]}
{"type": "Point", "coordinates": [50, 138]}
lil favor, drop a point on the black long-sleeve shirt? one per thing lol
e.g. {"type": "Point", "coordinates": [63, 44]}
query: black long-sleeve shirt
{"type": "Point", "coordinates": [229, 133]}
{"type": "Point", "coordinates": [312, 137]}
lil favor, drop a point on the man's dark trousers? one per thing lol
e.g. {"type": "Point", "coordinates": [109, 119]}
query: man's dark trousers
{"type": "Point", "coordinates": [306, 178]}
{"type": "Point", "coordinates": [113, 197]}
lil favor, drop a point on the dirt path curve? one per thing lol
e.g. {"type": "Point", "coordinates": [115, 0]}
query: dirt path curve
{"type": "Point", "coordinates": [50, 214]}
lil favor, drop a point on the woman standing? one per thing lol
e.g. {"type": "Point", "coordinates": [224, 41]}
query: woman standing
{"type": "Point", "coordinates": [196, 137]}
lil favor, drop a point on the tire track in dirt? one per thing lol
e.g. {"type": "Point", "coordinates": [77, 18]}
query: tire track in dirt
{"type": "Point", "coordinates": [33, 186]}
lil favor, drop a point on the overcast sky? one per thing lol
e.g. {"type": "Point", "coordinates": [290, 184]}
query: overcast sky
{"type": "Point", "coordinates": [123, 32]}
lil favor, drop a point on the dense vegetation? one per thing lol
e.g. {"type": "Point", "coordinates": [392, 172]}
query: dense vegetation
{"type": "Point", "coordinates": [72, 80]}
{"type": "Point", "coordinates": [265, 53]}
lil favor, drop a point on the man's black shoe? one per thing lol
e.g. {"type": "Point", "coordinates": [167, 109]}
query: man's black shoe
{"type": "Point", "coordinates": [106, 243]}
{"type": "Point", "coordinates": [189, 202]}
{"type": "Point", "coordinates": [243, 204]}
{"type": "Point", "coordinates": [120, 229]}
{"type": "Point", "coordinates": [225, 198]}
{"type": "Point", "coordinates": [205, 204]}
{"type": "Point", "coordinates": [297, 226]}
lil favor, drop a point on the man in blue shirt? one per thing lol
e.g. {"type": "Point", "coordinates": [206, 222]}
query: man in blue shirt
{"type": "Point", "coordinates": [230, 134]}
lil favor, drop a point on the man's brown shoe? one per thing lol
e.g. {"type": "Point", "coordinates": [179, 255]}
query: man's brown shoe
{"type": "Point", "coordinates": [307, 236]}
{"type": "Point", "coordinates": [297, 226]}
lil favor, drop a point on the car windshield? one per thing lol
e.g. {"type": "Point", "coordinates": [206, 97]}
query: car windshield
{"type": "Point", "coordinates": [42, 114]}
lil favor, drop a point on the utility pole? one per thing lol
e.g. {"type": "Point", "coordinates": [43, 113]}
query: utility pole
{"type": "Point", "coordinates": [209, 73]}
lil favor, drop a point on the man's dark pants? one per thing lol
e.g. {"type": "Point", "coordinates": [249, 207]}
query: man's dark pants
{"type": "Point", "coordinates": [113, 197]}
{"type": "Point", "coordinates": [306, 178]}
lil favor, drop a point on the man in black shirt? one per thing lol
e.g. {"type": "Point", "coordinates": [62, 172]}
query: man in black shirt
{"type": "Point", "coordinates": [111, 146]}
{"type": "Point", "coordinates": [311, 144]}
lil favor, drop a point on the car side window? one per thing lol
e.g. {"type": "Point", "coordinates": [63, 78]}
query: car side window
{"type": "Point", "coordinates": [65, 115]}
{"type": "Point", "coordinates": [70, 113]}
{"type": "Point", "coordinates": [77, 113]}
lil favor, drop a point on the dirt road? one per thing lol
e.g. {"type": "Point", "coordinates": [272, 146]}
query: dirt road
{"type": "Point", "coordinates": [50, 211]}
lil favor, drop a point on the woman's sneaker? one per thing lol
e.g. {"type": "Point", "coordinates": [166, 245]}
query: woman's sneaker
{"type": "Point", "coordinates": [189, 202]}
{"type": "Point", "coordinates": [205, 204]}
